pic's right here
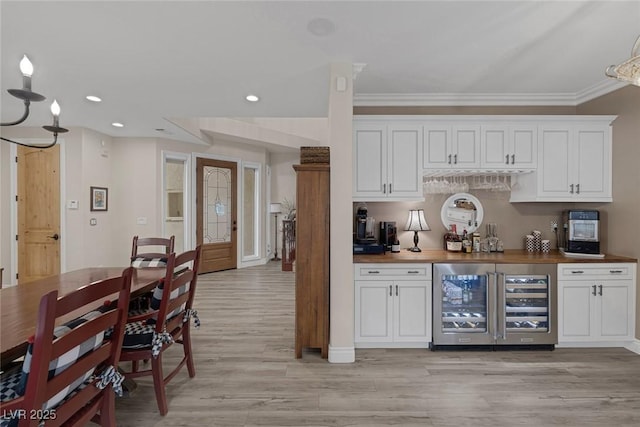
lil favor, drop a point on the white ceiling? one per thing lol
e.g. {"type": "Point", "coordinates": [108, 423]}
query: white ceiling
{"type": "Point", "coordinates": [151, 60]}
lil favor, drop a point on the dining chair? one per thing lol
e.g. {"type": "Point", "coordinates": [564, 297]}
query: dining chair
{"type": "Point", "coordinates": [69, 374]}
{"type": "Point", "coordinates": [153, 255]}
{"type": "Point", "coordinates": [167, 322]}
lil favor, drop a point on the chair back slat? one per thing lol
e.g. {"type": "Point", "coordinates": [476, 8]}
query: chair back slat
{"type": "Point", "coordinates": [152, 247]}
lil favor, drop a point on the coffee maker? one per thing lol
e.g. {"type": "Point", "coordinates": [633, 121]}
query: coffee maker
{"type": "Point", "coordinates": [364, 241]}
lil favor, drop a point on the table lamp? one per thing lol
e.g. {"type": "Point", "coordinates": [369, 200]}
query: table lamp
{"type": "Point", "coordinates": [416, 222]}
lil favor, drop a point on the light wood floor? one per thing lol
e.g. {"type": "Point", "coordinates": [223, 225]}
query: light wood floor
{"type": "Point", "coordinates": [247, 375]}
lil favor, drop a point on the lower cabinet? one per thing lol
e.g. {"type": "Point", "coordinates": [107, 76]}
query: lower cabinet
{"type": "Point", "coordinates": [392, 305]}
{"type": "Point", "coordinates": [596, 304]}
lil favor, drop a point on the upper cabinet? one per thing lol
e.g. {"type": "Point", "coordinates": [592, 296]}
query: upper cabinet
{"type": "Point", "coordinates": [574, 163]}
{"type": "Point", "coordinates": [386, 161]}
{"type": "Point", "coordinates": [449, 145]}
{"type": "Point", "coordinates": [549, 158]}
{"type": "Point", "coordinates": [509, 146]}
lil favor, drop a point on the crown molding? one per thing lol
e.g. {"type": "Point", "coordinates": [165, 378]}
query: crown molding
{"type": "Point", "coordinates": [486, 99]}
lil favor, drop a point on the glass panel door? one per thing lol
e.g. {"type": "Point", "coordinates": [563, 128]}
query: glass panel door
{"type": "Point", "coordinates": [464, 303]}
{"type": "Point", "coordinates": [527, 303]}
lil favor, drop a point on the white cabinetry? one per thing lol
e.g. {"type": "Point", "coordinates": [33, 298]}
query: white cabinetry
{"type": "Point", "coordinates": [509, 146]}
{"type": "Point", "coordinates": [596, 304]}
{"type": "Point", "coordinates": [451, 146]}
{"type": "Point", "coordinates": [386, 161]}
{"type": "Point", "coordinates": [574, 163]}
{"type": "Point", "coordinates": [392, 305]}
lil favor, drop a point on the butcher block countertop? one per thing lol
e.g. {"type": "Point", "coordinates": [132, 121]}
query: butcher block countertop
{"type": "Point", "coordinates": [509, 256]}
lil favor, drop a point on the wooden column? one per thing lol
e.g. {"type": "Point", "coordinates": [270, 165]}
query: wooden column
{"type": "Point", "coordinates": [312, 257]}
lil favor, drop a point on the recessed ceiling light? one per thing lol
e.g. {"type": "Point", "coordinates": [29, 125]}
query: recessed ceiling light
{"type": "Point", "coordinates": [252, 98]}
{"type": "Point", "coordinates": [94, 98]}
{"type": "Point", "coordinates": [117, 124]}
{"type": "Point", "coordinates": [321, 27]}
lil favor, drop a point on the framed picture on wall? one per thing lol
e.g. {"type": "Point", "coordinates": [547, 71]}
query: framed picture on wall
{"type": "Point", "coordinates": [99, 198]}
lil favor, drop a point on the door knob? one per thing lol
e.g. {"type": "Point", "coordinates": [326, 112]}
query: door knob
{"type": "Point", "coordinates": [54, 237]}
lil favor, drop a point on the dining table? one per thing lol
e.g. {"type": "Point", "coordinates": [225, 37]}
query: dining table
{"type": "Point", "coordinates": [19, 304]}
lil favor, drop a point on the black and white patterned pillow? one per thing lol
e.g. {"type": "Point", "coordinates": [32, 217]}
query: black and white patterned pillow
{"type": "Point", "coordinates": [141, 261]}
{"type": "Point", "coordinates": [8, 391]}
{"type": "Point", "coordinates": [60, 364]}
{"type": "Point", "coordinates": [156, 298]}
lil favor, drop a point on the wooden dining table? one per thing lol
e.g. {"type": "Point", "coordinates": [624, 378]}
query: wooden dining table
{"type": "Point", "coordinates": [20, 304]}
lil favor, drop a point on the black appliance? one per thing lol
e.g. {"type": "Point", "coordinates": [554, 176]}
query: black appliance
{"type": "Point", "coordinates": [388, 234]}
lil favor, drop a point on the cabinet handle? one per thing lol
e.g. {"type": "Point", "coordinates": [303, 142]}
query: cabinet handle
{"type": "Point", "coordinates": [396, 290]}
{"type": "Point", "coordinates": [506, 159]}
{"type": "Point", "coordinates": [600, 290]}
{"type": "Point", "coordinates": [571, 191]}
{"type": "Point", "coordinates": [413, 272]}
{"type": "Point", "coordinates": [384, 188]}
{"type": "Point", "coordinates": [513, 159]}
{"type": "Point", "coordinates": [449, 158]}
{"type": "Point", "coordinates": [577, 188]}
{"type": "Point", "coordinates": [615, 271]}
{"type": "Point", "coordinates": [455, 159]}
{"type": "Point", "coordinates": [391, 290]}
{"type": "Point", "coordinates": [390, 189]}
{"type": "Point", "coordinates": [577, 271]}
{"type": "Point", "coordinates": [373, 272]}
{"type": "Point", "coordinates": [594, 290]}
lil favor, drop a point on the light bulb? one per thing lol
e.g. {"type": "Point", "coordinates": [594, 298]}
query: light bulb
{"type": "Point", "coordinates": [26, 67]}
{"type": "Point", "coordinates": [55, 108]}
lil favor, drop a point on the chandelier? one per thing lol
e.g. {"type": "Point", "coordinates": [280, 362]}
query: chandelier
{"type": "Point", "coordinates": [28, 96]}
{"type": "Point", "coordinates": [629, 70]}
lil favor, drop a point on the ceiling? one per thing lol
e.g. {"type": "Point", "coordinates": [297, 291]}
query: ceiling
{"type": "Point", "coordinates": [154, 60]}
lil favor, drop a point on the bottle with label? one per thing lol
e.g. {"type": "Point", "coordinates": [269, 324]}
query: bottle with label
{"type": "Point", "coordinates": [452, 241]}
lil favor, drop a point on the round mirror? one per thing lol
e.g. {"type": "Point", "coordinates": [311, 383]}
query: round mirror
{"type": "Point", "coordinates": [464, 210]}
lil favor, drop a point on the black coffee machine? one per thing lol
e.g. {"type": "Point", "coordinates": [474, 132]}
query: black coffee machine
{"type": "Point", "coordinates": [363, 243]}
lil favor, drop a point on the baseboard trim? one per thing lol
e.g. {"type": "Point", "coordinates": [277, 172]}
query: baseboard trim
{"type": "Point", "coordinates": [342, 354]}
{"type": "Point", "coordinates": [634, 346]}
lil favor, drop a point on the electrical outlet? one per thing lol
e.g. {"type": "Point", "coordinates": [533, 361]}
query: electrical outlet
{"type": "Point", "coordinates": [554, 226]}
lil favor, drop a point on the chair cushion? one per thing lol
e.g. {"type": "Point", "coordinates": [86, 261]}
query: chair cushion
{"type": "Point", "coordinates": [138, 335]}
{"type": "Point", "coordinates": [148, 262]}
{"type": "Point", "coordinates": [157, 297]}
{"type": "Point", "coordinates": [9, 384]}
{"type": "Point", "coordinates": [60, 364]}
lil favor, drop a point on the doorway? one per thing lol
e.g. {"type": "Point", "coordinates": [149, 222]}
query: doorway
{"type": "Point", "coordinates": [38, 213]}
{"type": "Point", "coordinates": [216, 214]}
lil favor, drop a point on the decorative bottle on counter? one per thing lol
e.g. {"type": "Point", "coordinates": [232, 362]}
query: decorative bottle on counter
{"type": "Point", "coordinates": [452, 242]}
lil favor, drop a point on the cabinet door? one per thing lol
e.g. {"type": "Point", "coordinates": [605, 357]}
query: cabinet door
{"type": "Point", "coordinates": [576, 307]}
{"type": "Point", "coordinates": [555, 170]}
{"type": "Point", "coordinates": [465, 146]}
{"type": "Point", "coordinates": [436, 146]}
{"type": "Point", "coordinates": [403, 161]}
{"type": "Point", "coordinates": [495, 147]}
{"type": "Point", "coordinates": [592, 164]}
{"type": "Point", "coordinates": [523, 147]}
{"type": "Point", "coordinates": [615, 317]}
{"type": "Point", "coordinates": [412, 311]}
{"type": "Point", "coordinates": [374, 311]}
{"type": "Point", "coordinates": [369, 160]}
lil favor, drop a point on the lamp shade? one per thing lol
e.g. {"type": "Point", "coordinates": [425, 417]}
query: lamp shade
{"type": "Point", "coordinates": [416, 221]}
{"type": "Point", "coordinates": [275, 208]}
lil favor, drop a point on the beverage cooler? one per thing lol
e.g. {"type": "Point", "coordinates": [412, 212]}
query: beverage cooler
{"type": "Point", "coordinates": [494, 305]}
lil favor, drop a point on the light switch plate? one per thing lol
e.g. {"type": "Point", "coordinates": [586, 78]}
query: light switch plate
{"type": "Point", "coordinates": [142, 220]}
{"type": "Point", "coordinates": [93, 221]}
{"type": "Point", "coordinates": [72, 204]}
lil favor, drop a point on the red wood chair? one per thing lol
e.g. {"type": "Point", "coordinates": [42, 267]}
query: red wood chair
{"type": "Point", "coordinates": [148, 335]}
{"type": "Point", "coordinates": [70, 380]}
{"type": "Point", "coordinates": [156, 252]}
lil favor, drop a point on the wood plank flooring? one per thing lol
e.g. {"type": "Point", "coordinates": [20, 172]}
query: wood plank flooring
{"type": "Point", "coordinates": [246, 375]}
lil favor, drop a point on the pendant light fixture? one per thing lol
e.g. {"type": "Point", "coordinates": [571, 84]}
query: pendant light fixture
{"type": "Point", "coordinates": [629, 70]}
{"type": "Point", "coordinates": [28, 96]}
